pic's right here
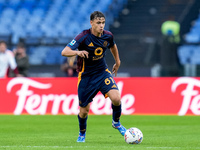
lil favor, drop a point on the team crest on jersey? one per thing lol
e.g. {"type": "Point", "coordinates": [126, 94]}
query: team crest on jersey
{"type": "Point", "coordinates": [72, 42]}
{"type": "Point", "coordinates": [105, 43]}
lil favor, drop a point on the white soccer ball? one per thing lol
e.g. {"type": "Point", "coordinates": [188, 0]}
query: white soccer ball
{"type": "Point", "coordinates": [133, 136]}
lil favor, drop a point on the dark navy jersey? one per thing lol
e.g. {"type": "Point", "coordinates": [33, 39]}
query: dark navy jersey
{"type": "Point", "coordinates": [96, 46]}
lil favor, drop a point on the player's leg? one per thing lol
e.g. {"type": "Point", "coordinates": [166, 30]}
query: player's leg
{"type": "Point", "coordinates": [109, 88]}
{"type": "Point", "coordinates": [114, 96]}
{"type": "Point", "coordinates": [82, 118]}
{"type": "Point", "coordinates": [86, 92]}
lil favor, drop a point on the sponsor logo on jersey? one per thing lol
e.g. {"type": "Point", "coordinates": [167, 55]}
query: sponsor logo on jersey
{"type": "Point", "coordinates": [98, 51]}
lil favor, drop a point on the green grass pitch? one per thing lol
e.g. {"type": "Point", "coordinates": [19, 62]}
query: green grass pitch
{"type": "Point", "coordinates": [60, 132]}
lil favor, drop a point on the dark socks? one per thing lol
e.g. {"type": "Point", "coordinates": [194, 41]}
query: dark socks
{"type": "Point", "coordinates": [82, 124]}
{"type": "Point", "coordinates": [116, 112]}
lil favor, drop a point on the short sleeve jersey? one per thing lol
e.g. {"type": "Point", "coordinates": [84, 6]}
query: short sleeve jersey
{"type": "Point", "coordinates": [96, 46]}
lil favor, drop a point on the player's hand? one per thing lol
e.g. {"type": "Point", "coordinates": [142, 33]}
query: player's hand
{"type": "Point", "coordinates": [83, 54]}
{"type": "Point", "coordinates": [115, 69]}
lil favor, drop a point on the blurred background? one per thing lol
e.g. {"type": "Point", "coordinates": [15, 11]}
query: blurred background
{"type": "Point", "coordinates": [155, 38]}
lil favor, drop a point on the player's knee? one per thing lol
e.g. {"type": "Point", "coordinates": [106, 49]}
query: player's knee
{"type": "Point", "coordinates": [115, 97]}
{"type": "Point", "coordinates": [116, 100]}
{"type": "Point", "coordinates": [83, 112]}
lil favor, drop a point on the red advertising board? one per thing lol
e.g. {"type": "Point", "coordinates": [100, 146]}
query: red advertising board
{"type": "Point", "coordinates": [40, 96]}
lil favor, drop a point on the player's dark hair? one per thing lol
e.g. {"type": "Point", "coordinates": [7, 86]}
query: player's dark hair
{"type": "Point", "coordinates": [96, 14]}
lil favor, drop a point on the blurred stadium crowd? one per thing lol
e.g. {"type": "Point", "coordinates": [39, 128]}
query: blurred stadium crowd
{"type": "Point", "coordinates": [48, 21]}
{"type": "Point", "coordinates": [46, 26]}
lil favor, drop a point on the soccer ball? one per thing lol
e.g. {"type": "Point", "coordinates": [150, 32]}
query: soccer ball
{"type": "Point", "coordinates": [133, 136]}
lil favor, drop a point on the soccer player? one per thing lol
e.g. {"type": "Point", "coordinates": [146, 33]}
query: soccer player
{"type": "Point", "coordinates": [94, 75]}
{"type": "Point", "coordinates": [7, 61]}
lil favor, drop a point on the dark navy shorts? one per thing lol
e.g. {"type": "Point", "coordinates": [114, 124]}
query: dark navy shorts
{"type": "Point", "coordinates": [89, 86]}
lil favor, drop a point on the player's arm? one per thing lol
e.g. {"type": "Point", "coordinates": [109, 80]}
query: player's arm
{"type": "Point", "coordinates": [68, 52]}
{"type": "Point", "coordinates": [115, 53]}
